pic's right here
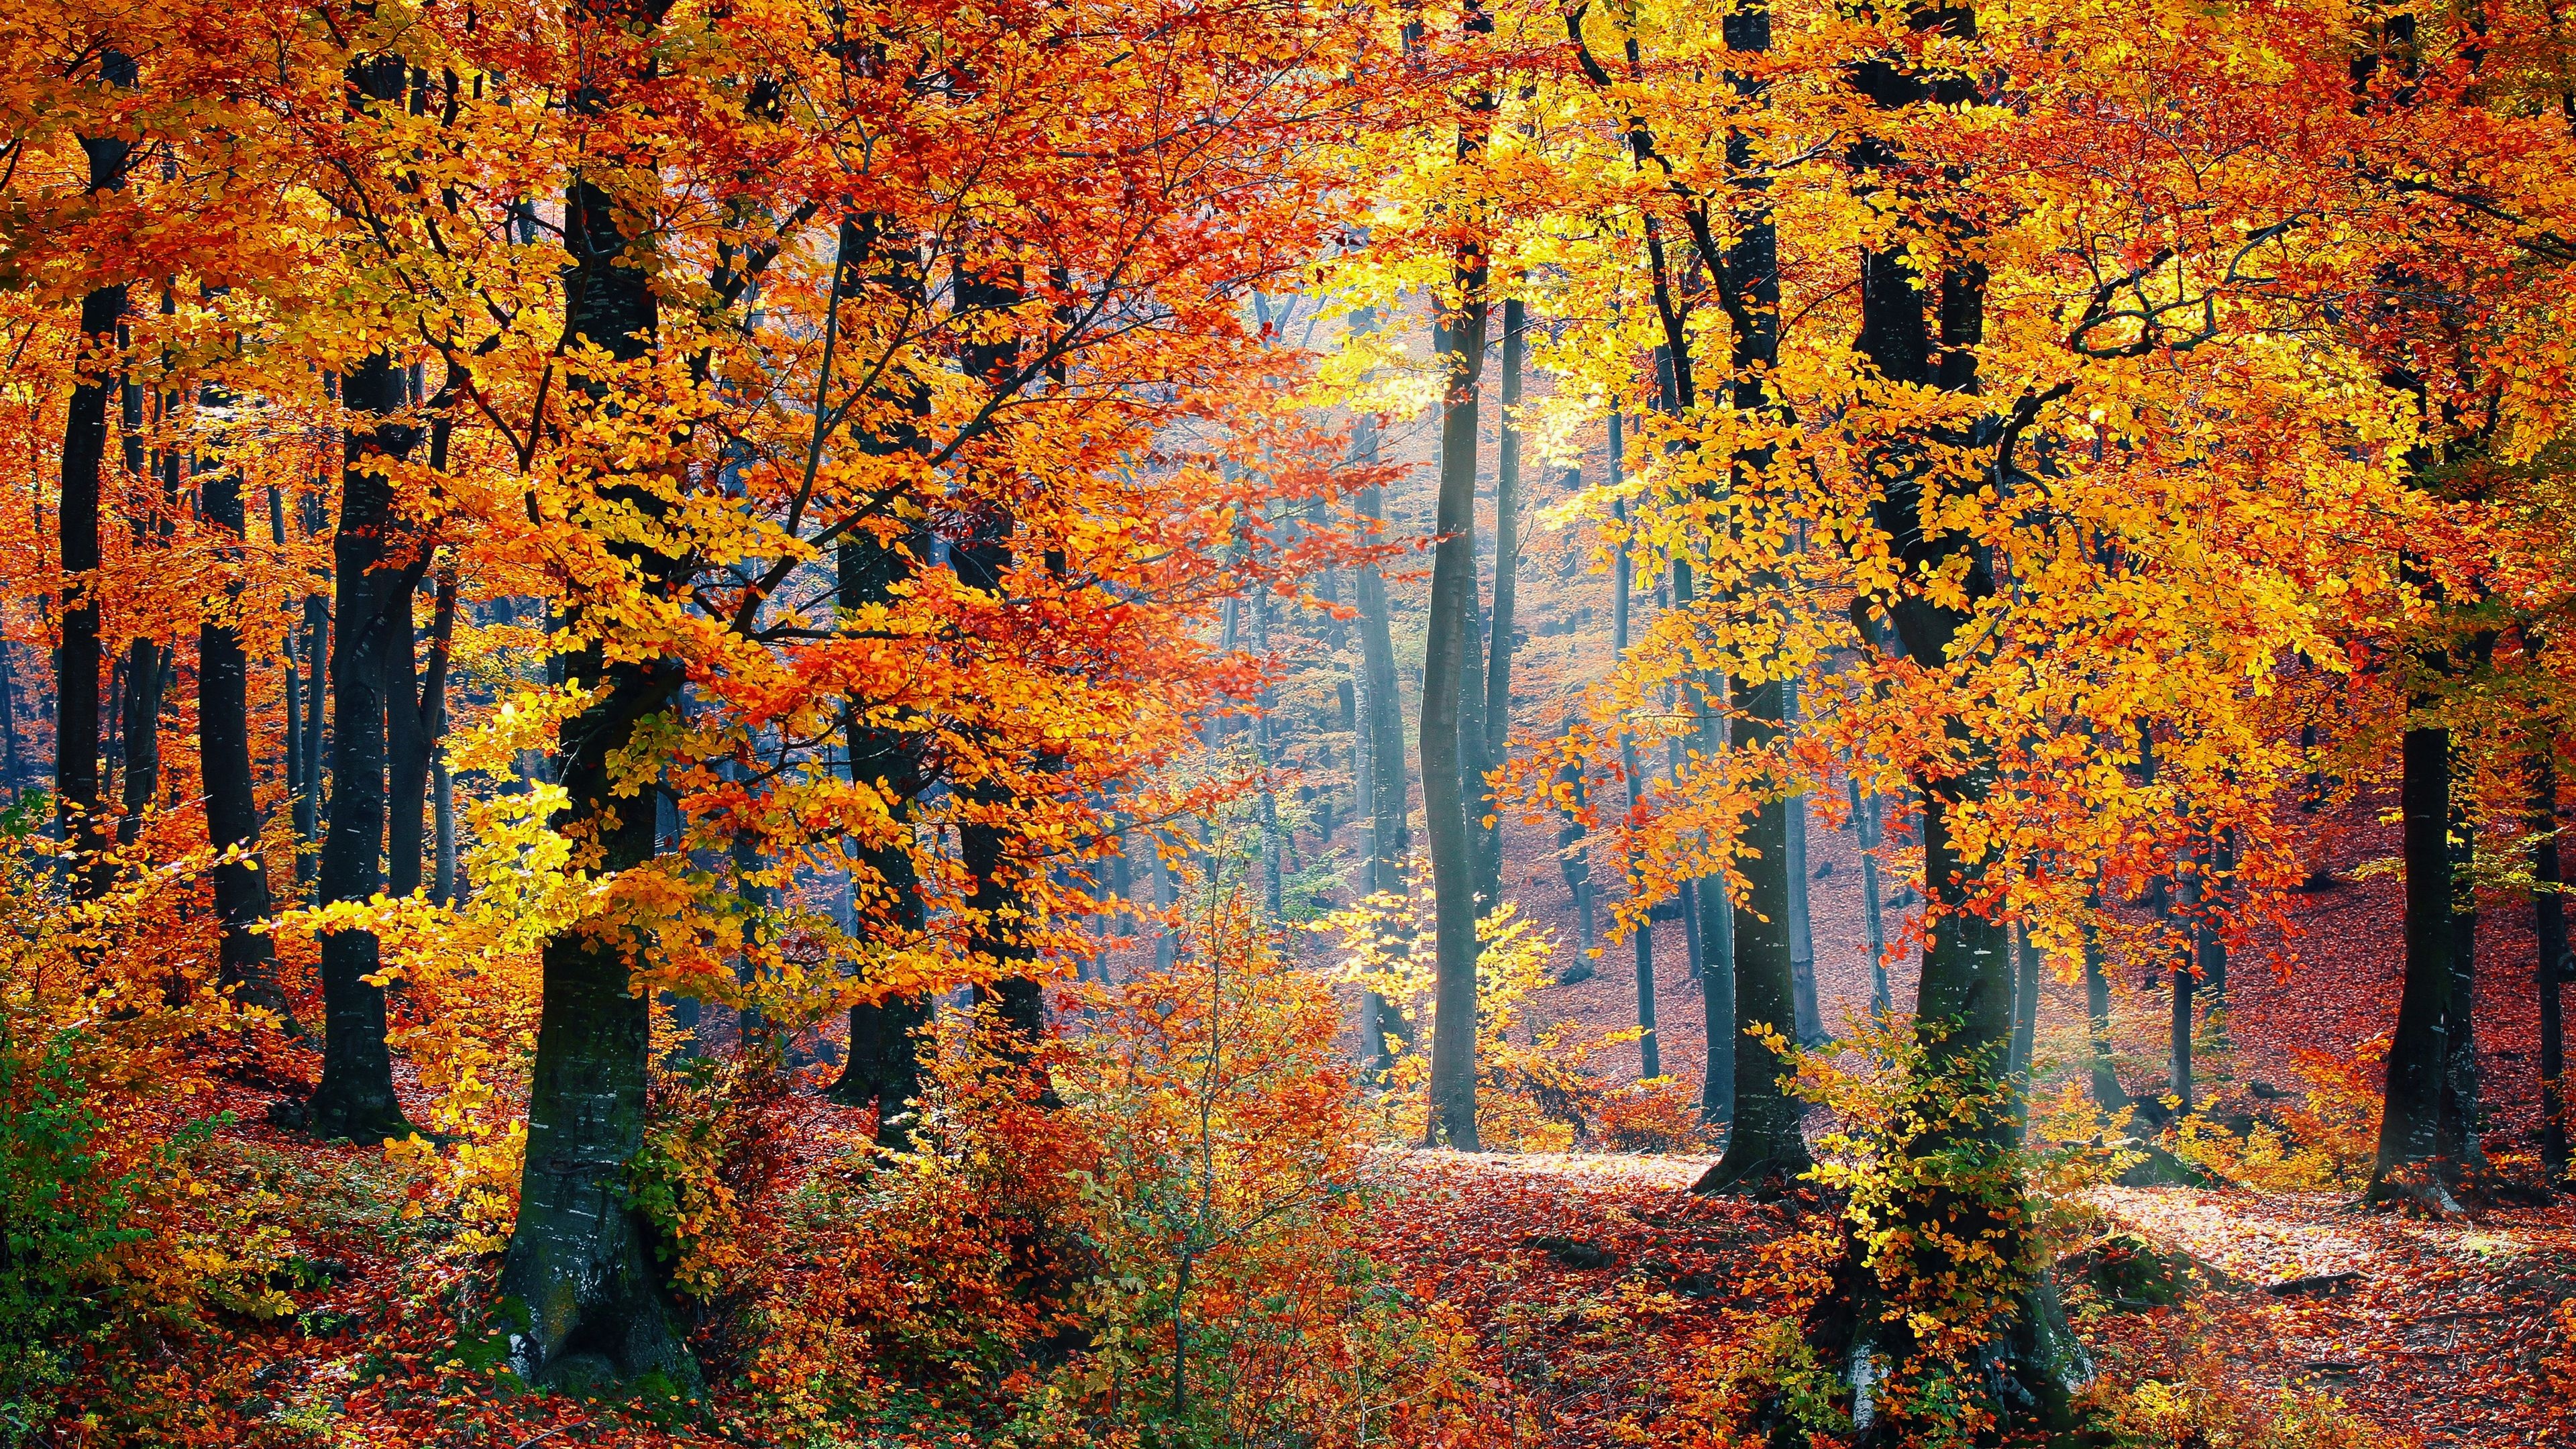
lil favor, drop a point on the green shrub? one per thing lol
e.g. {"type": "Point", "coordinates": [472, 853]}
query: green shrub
{"type": "Point", "coordinates": [63, 1215]}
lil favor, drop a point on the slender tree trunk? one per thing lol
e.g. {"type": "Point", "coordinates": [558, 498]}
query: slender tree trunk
{"type": "Point", "coordinates": [310, 797]}
{"type": "Point", "coordinates": [580, 1260]}
{"type": "Point", "coordinates": [1384, 790]}
{"type": "Point", "coordinates": [406, 749]}
{"type": "Point", "coordinates": [2025, 1026]}
{"type": "Point", "coordinates": [2549, 926]}
{"type": "Point", "coordinates": [1882, 1001]}
{"type": "Point", "coordinates": [1802, 938]}
{"type": "Point", "coordinates": [1650, 1055]}
{"type": "Point", "coordinates": [1273, 864]}
{"type": "Point", "coordinates": [12, 759]}
{"type": "Point", "coordinates": [1494, 713]}
{"type": "Point", "coordinates": [2186, 980]}
{"type": "Point", "coordinates": [247, 966]}
{"type": "Point", "coordinates": [2108, 1094]}
{"type": "Point", "coordinates": [1764, 1140]}
{"type": "Point", "coordinates": [139, 674]}
{"type": "Point", "coordinates": [1460, 343]}
{"type": "Point", "coordinates": [78, 661]}
{"type": "Point", "coordinates": [2462, 1116]}
{"type": "Point", "coordinates": [2419, 1050]}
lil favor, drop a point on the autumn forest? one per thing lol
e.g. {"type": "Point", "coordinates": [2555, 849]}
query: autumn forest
{"type": "Point", "coordinates": [1208, 723]}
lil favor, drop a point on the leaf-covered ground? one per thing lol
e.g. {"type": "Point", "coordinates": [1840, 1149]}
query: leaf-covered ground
{"type": "Point", "coordinates": [1590, 1279]}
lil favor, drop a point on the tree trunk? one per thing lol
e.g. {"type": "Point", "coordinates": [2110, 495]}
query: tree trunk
{"type": "Point", "coordinates": [1273, 863]}
{"type": "Point", "coordinates": [1802, 938]}
{"type": "Point", "coordinates": [2418, 1051]}
{"type": "Point", "coordinates": [1650, 1056]}
{"type": "Point", "coordinates": [2108, 1094]}
{"type": "Point", "coordinates": [1765, 1141]}
{"type": "Point", "coordinates": [78, 662]}
{"type": "Point", "coordinates": [580, 1258]}
{"type": "Point", "coordinates": [2462, 1117]}
{"type": "Point", "coordinates": [247, 965]}
{"type": "Point", "coordinates": [11, 760]}
{"type": "Point", "coordinates": [2186, 979]}
{"type": "Point", "coordinates": [406, 749]}
{"type": "Point", "coordinates": [1383, 792]}
{"type": "Point", "coordinates": [317, 744]}
{"type": "Point", "coordinates": [298, 810]}
{"type": "Point", "coordinates": [2549, 925]}
{"type": "Point", "coordinates": [885, 1048]}
{"type": "Point", "coordinates": [1963, 1015]}
{"type": "Point", "coordinates": [1495, 714]}
{"type": "Point", "coordinates": [2025, 1025]}
{"type": "Point", "coordinates": [1460, 343]}
{"type": "Point", "coordinates": [1882, 1000]}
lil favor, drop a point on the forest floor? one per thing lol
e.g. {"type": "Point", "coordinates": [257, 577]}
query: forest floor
{"type": "Point", "coordinates": [1599, 1287]}
{"type": "Point", "coordinates": [1601, 1294]}
{"type": "Point", "coordinates": [2443, 1334]}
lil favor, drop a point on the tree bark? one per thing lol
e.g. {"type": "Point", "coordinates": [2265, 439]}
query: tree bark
{"type": "Point", "coordinates": [2108, 1095]}
{"type": "Point", "coordinates": [355, 1098]}
{"type": "Point", "coordinates": [2186, 980]}
{"type": "Point", "coordinates": [1764, 1141]}
{"type": "Point", "coordinates": [2419, 1050]}
{"type": "Point", "coordinates": [884, 1068]}
{"type": "Point", "coordinates": [1385, 791]}
{"type": "Point", "coordinates": [1460, 342]}
{"type": "Point", "coordinates": [1802, 938]}
{"type": "Point", "coordinates": [1882, 1000]}
{"type": "Point", "coordinates": [1963, 1015]}
{"type": "Point", "coordinates": [78, 662]}
{"type": "Point", "coordinates": [2462, 1117]}
{"type": "Point", "coordinates": [2549, 926]}
{"type": "Point", "coordinates": [1650, 1056]}
{"type": "Point", "coordinates": [246, 963]}
{"type": "Point", "coordinates": [580, 1260]}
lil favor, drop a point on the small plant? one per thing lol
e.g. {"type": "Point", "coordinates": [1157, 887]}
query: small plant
{"type": "Point", "coordinates": [1659, 1114]}
{"type": "Point", "coordinates": [64, 1213]}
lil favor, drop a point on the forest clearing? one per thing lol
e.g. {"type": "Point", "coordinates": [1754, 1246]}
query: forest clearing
{"type": "Point", "coordinates": [1273, 723]}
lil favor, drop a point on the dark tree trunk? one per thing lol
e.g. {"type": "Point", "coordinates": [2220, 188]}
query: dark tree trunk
{"type": "Point", "coordinates": [11, 761]}
{"type": "Point", "coordinates": [885, 1050]}
{"type": "Point", "coordinates": [2186, 981]}
{"type": "Point", "coordinates": [1460, 344]}
{"type": "Point", "coordinates": [139, 707]}
{"type": "Point", "coordinates": [299, 807]}
{"type": "Point", "coordinates": [247, 966]}
{"type": "Point", "coordinates": [356, 1096]}
{"type": "Point", "coordinates": [316, 752]}
{"type": "Point", "coordinates": [580, 1260]}
{"type": "Point", "coordinates": [2462, 1117]}
{"type": "Point", "coordinates": [2410, 1123]}
{"type": "Point", "coordinates": [2549, 925]}
{"type": "Point", "coordinates": [406, 747]}
{"type": "Point", "coordinates": [1964, 1003]}
{"type": "Point", "coordinates": [78, 662]}
{"type": "Point", "coordinates": [982, 560]}
{"type": "Point", "coordinates": [145, 662]}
